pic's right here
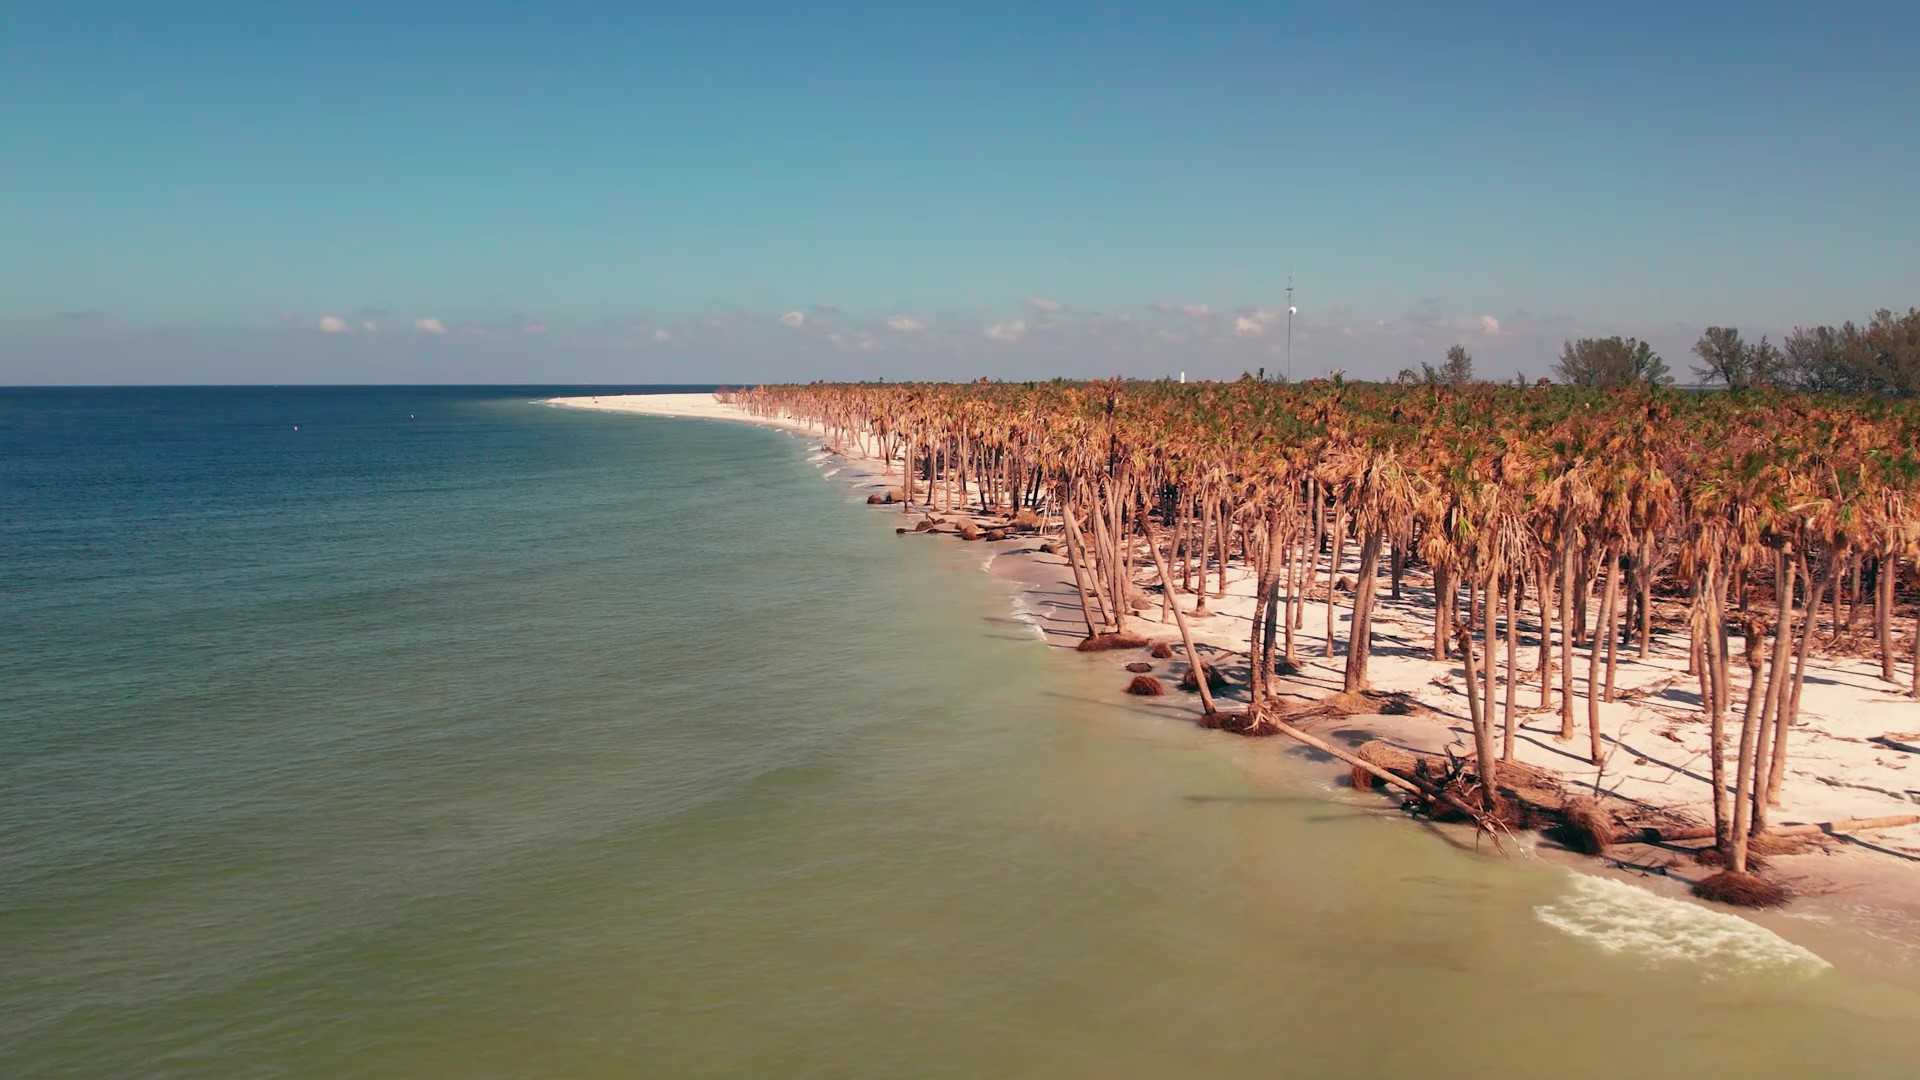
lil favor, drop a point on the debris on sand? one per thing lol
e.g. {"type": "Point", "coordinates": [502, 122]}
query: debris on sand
{"type": "Point", "coordinates": [1146, 686]}
{"type": "Point", "coordinates": [1109, 642]}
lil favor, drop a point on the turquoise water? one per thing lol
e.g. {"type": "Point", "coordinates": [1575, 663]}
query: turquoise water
{"type": "Point", "coordinates": [454, 735]}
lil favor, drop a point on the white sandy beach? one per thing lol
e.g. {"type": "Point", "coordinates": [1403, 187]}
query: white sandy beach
{"type": "Point", "coordinates": [1655, 734]}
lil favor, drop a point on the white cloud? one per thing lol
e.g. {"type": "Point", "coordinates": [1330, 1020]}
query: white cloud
{"type": "Point", "coordinates": [333, 324]}
{"type": "Point", "coordinates": [369, 326]}
{"type": "Point", "coordinates": [430, 325]}
{"type": "Point", "coordinates": [1196, 311]}
{"type": "Point", "coordinates": [662, 335]}
{"type": "Point", "coordinates": [534, 328]}
{"type": "Point", "coordinates": [1246, 326]}
{"type": "Point", "coordinates": [794, 318]}
{"type": "Point", "coordinates": [905, 324]}
{"type": "Point", "coordinates": [1007, 331]}
{"type": "Point", "coordinates": [1041, 303]}
{"type": "Point", "coordinates": [1489, 326]}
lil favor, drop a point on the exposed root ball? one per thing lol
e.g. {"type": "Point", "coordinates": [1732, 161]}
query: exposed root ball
{"type": "Point", "coordinates": [1345, 585]}
{"type": "Point", "coordinates": [1107, 642]}
{"type": "Point", "coordinates": [967, 530]}
{"type": "Point", "coordinates": [1146, 686]}
{"type": "Point", "coordinates": [1589, 827]}
{"type": "Point", "coordinates": [1025, 519]}
{"type": "Point", "coordinates": [1162, 651]}
{"type": "Point", "coordinates": [877, 499]}
{"type": "Point", "coordinates": [995, 534]}
{"type": "Point", "coordinates": [1215, 681]}
{"type": "Point", "coordinates": [1139, 667]}
{"type": "Point", "coordinates": [1211, 721]}
{"type": "Point", "coordinates": [1741, 890]}
{"type": "Point", "coordinates": [1383, 756]}
{"type": "Point", "coordinates": [1239, 724]}
{"type": "Point", "coordinates": [923, 525]}
{"type": "Point", "coordinates": [1049, 549]}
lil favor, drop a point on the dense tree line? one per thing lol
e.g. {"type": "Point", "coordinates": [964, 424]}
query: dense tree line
{"type": "Point", "coordinates": [1778, 519]}
{"type": "Point", "coordinates": [1881, 357]}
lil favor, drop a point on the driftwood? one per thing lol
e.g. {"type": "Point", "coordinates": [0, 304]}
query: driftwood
{"type": "Point", "coordinates": [1425, 791]}
{"type": "Point", "coordinates": [1652, 834]}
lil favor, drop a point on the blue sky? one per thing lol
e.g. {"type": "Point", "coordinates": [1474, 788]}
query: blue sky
{"type": "Point", "coordinates": [442, 192]}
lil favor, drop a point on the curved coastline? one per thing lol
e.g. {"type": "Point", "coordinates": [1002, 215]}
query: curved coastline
{"type": "Point", "coordinates": [1863, 914]}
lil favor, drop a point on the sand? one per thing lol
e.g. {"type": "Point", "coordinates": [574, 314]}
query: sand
{"type": "Point", "coordinates": [1654, 734]}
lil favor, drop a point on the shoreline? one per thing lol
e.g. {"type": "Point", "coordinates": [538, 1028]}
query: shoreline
{"type": "Point", "coordinates": [1858, 898]}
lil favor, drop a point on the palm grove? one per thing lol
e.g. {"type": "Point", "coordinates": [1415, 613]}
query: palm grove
{"type": "Point", "coordinates": [1779, 521]}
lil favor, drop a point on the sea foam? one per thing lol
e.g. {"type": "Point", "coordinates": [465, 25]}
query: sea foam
{"type": "Point", "coordinates": [1659, 930]}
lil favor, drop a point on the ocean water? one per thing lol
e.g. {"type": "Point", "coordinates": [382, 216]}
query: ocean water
{"type": "Point", "coordinates": [456, 735]}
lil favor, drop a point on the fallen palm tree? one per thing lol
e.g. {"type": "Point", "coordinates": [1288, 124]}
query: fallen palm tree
{"type": "Point", "coordinates": [1653, 834]}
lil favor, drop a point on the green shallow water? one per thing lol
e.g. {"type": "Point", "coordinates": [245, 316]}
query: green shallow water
{"type": "Point", "coordinates": [583, 745]}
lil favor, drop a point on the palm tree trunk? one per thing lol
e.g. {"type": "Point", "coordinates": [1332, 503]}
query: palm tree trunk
{"type": "Point", "coordinates": [1513, 674]}
{"type": "Point", "coordinates": [1333, 570]}
{"type": "Point", "coordinates": [1360, 631]}
{"type": "Point", "coordinates": [1074, 547]}
{"type": "Point", "coordinates": [1597, 645]}
{"type": "Point", "coordinates": [1544, 590]}
{"type": "Point", "coordinates": [1179, 618]}
{"type": "Point", "coordinates": [1484, 762]}
{"type": "Point", "coordinates": [1225, 524]}
{"type": "Point", "coordinates": [1490, 634]}
{"type": "Point", "coordinates": [1777, 677]}
{"type": "Point", "coordinates": [1745, 793]}
{"type": "Point", "coordinates": [1776, 776]}
{"type": "Point", "coordinates": [1566, 640]}
{"type": "Point", "coordinates": [1646, 592]}
{"type": "Point", "coordinates": [1110, 557]}
{"type": "Point", "coordinates": [1607, 613]}
{"type": "Point", "coordinates": [1716, 717]}
{"type": "Point", "coordinates": [1883, 611]}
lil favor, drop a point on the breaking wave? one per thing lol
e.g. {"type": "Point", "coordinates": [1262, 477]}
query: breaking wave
{"type": "Point", "coordinates": [1659, 930]}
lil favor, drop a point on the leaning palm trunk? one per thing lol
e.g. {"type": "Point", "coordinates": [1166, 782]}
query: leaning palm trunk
{"type": "Point", "coordinates": [1778, 674]}
{"type": "Point", "coordinates": [1073, 559]}
{"type": "Point", "coordinates": [1111, 572]}
{"type": "Point", "coordinates": [1776, 773]}
{"type": "Point", "coordinates": [1745, 791]}
{"type": "Point", "coordinates": [1180, 619]}
{"type": "Point", "coordinates": [1482, 726]}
